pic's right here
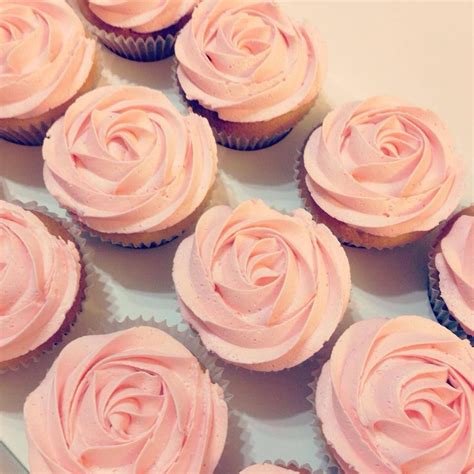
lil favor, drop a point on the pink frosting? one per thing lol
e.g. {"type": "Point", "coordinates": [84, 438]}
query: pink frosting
{"type": "Point", "coordinates": [266, 469]}
{"type": "Point", "coordinates": [455, 264]}
{"type": "Point", "coordinates": [136, 401]}
{"type": "Point", "coordinates": [45, 57]}
{"type": "Point", "coordinates": [247, 61]}
{"type": "Point", "coordinates": [264, 290]}
{"type": "Point", "coordinates": [397, 396]}
{"type": "Point", "coordinates": [124, 160]}
{"type": "Point", "coordinates": [384, 167]}
{"type": "Point", "coordinates": [39, 281]}
{"type": "Point", "coordinates": [141, 17]}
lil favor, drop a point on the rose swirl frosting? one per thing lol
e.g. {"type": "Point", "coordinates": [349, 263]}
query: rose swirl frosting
{"type": "Point", "coordinates": [135, 401]}
{"type": "Point", "coordinates": [45, 57]}
{"type": "Point", "coordinates": [141, 17]}
{"type": "Point", "coordinates": [397, 396]}
{"type": "Point", "coordinates": [39, 281]}
{"type": "Point", "coordinates": [455, 263]}
{"type": "Point", "coordinates": [384, 167]}
{"type": "Point", "coordinates": [124, 160]}
{"type": "Point", "coordinates": [264, 290]}
{"type": "Point", "coordinates": [247, 61]}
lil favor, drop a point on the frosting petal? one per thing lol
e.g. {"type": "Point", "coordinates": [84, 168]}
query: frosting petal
{"type": "Point", "coordinates": [45, 57]}
{"type": "Point", "coordinates": [125, 161]}
{"type": "Point", "coordinates": [247, 61]}
{"type": "Point", "coordinates": [135, 401]}
{"type": "Point", "coordinates": [384, 167]}
{"type": "Point", "coordinates": [397, 396]}
{"type": "Point", "coordinates": [455, 264]}
{"type": "Point", "coordinates": [39, 281]}
{"type": "Point", "coordinates": [141, 17]}
{"type": "Point", "coordinates": [263, 289]}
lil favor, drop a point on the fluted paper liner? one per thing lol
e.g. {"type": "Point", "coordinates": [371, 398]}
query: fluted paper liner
{"type": "Point", "coordinates": [60, 338]}
{"type": "Point", "coordinates": [151, 48]}
{"type": "Point", "coordinates": [438, 305]}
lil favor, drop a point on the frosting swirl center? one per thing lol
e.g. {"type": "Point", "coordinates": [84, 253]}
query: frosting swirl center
{"type": "Point", "coordinates": [384, 167]}
{"type": "Point", "coordinates": [248, 61]}
{"type": "Point", "coordinates": [45, 57]}
{"type": "Point", "coordinates": [258, 284]}
{"type": "Point", "coordinates": [131, 401]}
{"type": "Point", "coordinates": [124, 160]}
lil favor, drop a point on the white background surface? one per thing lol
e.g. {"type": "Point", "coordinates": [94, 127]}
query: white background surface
{"type": "Point", "coordinates": [420, 51]}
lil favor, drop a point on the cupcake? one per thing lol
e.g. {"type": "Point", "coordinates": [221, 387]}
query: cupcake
{"type": "Point", "coordinates": [275, 468]}
{"type": "Point", "coordinates": [249, 69]}
{"type": "Point", "coordinates": [42, 282]}
{"type": "Point", "coordinates": [264, 290]}
{"type": "Point", "coordinates": [451, 275]}
{"type": "Point", "coordinates": [46, 62]}
{"type": "Point", "coordinates": [131, 401]}
{"type": "Point", "coordinates": [397, 396]}
{"type": "Point", "coordinates": [380, 173]}
{"type": "Point", "coordinates": [141, 31]}
{"type": "Point", "coordinates": [129, 167]}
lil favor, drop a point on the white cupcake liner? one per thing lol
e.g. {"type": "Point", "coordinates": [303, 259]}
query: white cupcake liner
{"type": "Point", "coordinates": [152, 48]}
{"type": "Point", "coordinates": [89, 279]}
{"type": "Point", "coordinates": [438, 305]}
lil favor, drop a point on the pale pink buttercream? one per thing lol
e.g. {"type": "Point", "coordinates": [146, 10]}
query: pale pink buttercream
{"type": "Point", "coordinates": [384, 167]}
{"type": "Point", "coordinates": [124, 160]}
{"type": "Point", "coordinates": [397, 396]}
{"type": "Point", "coordinates": [141, 16]}
{"type": "Point", "coordinates": [45, 57]}
{"type": "Point", "coordinates": [266, 469]}
{"type": "Point", "coordinates": [39, 281]}
{"type": "Point", "coordinates": [247, 61]}
{"type": "Point", "coordinates": [135, 401]}
{"type": "Point", "coordinates": [455, 264]}
{"type": "Point", "coordinates": [264, 290]}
